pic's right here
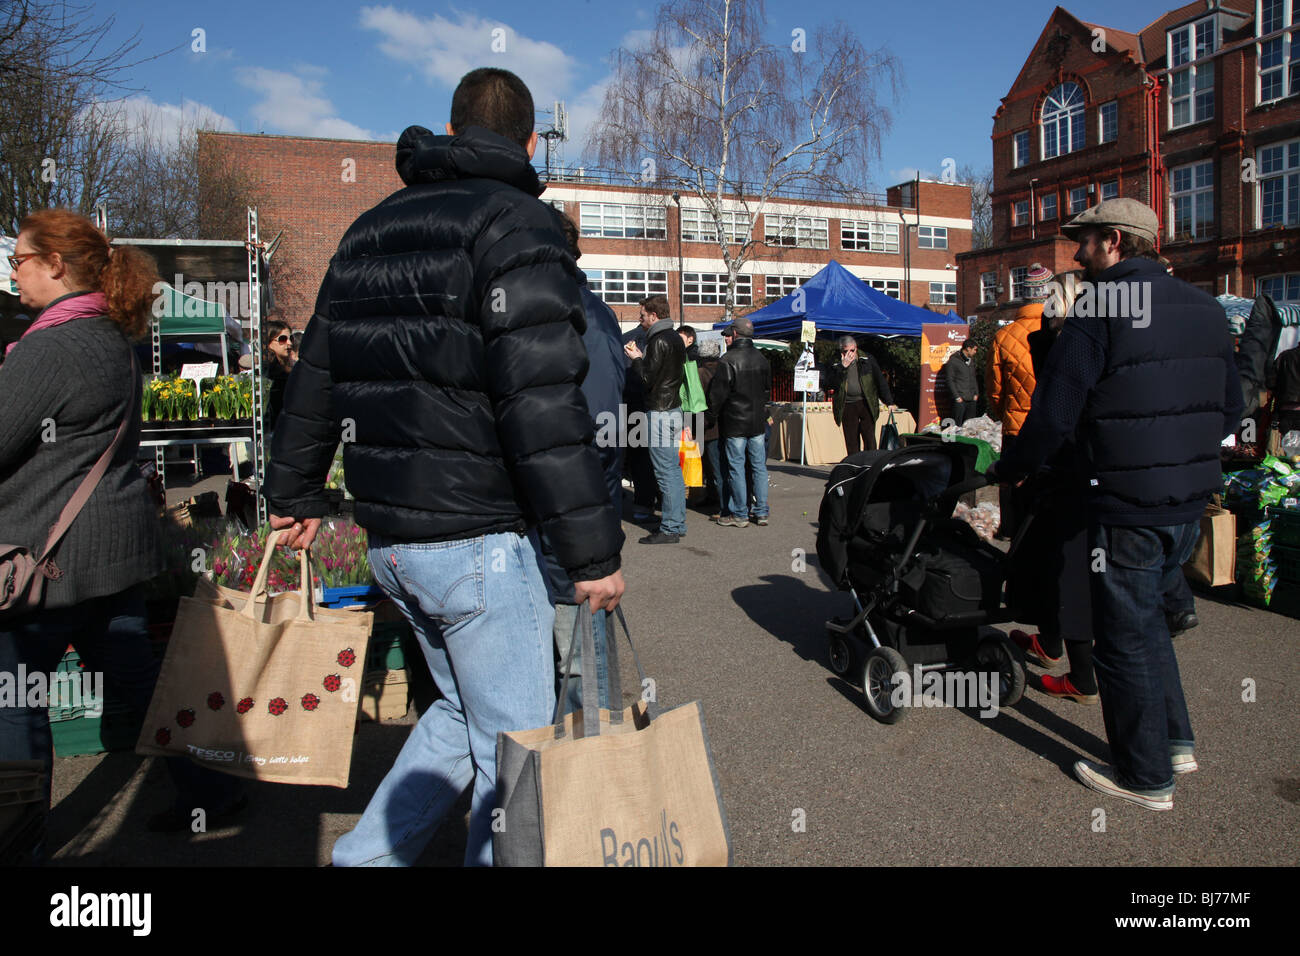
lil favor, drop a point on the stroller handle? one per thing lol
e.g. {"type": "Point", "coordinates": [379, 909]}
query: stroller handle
{"type": "Point", "coordinates": [950, 496]}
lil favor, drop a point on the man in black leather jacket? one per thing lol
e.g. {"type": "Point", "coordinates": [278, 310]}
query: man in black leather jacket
{"type": "Point", "coordinates": [446, 352]}
{"type": "Point", "coordinates": [738, 397]}
{"type": "Point", "coordinates": [660, 368]}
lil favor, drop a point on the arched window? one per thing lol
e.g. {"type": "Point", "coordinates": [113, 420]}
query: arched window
{"type": "Point", "coordinates": [1063, 121]}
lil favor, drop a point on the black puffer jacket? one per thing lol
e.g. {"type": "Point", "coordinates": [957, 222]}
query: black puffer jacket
{"type": "Point", "coordinates": [448, 336]}
{"type": "Point", "coordinates": [660, 369]}
{"type": "Point", "coordinates": [740, 391]}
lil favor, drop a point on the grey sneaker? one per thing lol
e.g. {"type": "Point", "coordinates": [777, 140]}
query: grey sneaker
{"type": "Point", "coordinates": [731, 521]}
{"type": "Point", "coordinates": [1102, 779]}
{"type": "Point", "coordinates": [1184, 763]}
{"type": "Point", "coordinates": [761, 522]}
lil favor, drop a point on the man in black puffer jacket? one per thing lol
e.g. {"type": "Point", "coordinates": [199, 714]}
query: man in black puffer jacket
{"type": "Point", "coordinates": [446, 352]}
{"type": "Point", "coordinates": [738, 397]}
{"type": "Point", "coordinates": [1144, 376]}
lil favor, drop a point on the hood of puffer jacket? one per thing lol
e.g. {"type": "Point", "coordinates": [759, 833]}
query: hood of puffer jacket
{"type": "Point", "coordinates": [1010, 375]}
{"type": "Point", "coordinates": [474, 153]}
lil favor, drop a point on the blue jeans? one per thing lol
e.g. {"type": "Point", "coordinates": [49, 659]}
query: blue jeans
{"type": "Point", "coordinates": [566, 615]}
{"type": "Point", "coordinates": [738, 450]}
{"type": "Point", "coordinates": [715, 470]}
{"type": "Point", "coordinates": [480, 611]}
{"type": "Point", "coordinates": [111, 636]}
{"type": "Point", "coordinates": [665, 443]}
{"type": "Point", "coordinates": [1137, 673]}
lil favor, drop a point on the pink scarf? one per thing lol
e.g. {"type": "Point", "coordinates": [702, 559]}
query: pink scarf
{"type": "Point", "coordinates": [83, 306]}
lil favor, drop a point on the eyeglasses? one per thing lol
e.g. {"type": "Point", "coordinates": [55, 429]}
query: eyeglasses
{"type": "Point", "coordinates": [282, 339]}
{"type": "Point", "coordinates": [16, 261]}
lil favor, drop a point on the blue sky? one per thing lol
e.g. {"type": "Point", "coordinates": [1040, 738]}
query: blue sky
{"type": "Point", "coordinates": [362, 70]}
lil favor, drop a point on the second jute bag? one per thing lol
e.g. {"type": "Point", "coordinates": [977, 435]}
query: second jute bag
{"type": "Point", "coordinates": [1214, 562]}
{"type": "Point", "coordinates": [261, 687]}
{"type": "Point", "coordinates": [609, 788]}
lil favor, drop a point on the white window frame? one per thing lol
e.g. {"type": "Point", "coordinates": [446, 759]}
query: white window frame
{"type": "Point", "coordinates": [1289, 281]}
{"type": "Point", "coordinates": [612, 220]}
{"type": "Point", "coordinates": [1286, 36]}
{"type": "Point", "coordinates": [946, 294]}
{"type": "Point", "coordinates": [988, 288]}
{"type": "Point", "coordinates": [1113, 107]}
{"type": "Point", "coordinates": [626, 286]}
{"type": "Point", "coordinates": [778, 287]}
{"type": "Point", "coordinates": [1019, 153]}
{"type": "Point", "coordinates": [1101, 189]}
{"type": "Point", "coordinates": [1068, 114]}
{"type": "Point", "coordinates": [1196, 68]}
{"type": "Point", "coordinates": [1016, 218]}
{"type": "Point", "coordinates": [891, 287]}
{"type": "Point", "coordinates": [1201, 227]}
{"type": "Point", "coordinates": [932, 237]}
{"type": "Point", "coordinates": [865, 236]}
{"type": "Point", "coordinates": [1043, 214]}
{"type": "Point", "coordinates": [796, 232]}
{"type": "Point", "coordinates": [1019, 280]}
{"type": "Point", "coordinates": [1076, 192]}
{"type": "Point", "coordinates": [698, 225]}
{"type": "Point", "coordinates": [711, 288]}
{"type": "Point", "coordinates": [1288, 172]}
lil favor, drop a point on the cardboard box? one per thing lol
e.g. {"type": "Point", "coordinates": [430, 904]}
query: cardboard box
{"type": "Point", "coordinates": [385, 695]}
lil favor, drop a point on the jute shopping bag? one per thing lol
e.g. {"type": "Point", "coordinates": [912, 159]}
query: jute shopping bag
{"type": "Point", "coordinates": [637, 789]}
{"type": "Point", "coordinates": [260, 687]}
{"type": "Point", "coordinates": [1214, 562]}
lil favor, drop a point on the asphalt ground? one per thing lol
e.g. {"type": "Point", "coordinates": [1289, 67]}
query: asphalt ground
{"type": "Point", "coordinates": [727, 617]}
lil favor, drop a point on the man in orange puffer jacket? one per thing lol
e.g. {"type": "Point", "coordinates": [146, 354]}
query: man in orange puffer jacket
{"type": "Point", "coordinates": [1010, 379]}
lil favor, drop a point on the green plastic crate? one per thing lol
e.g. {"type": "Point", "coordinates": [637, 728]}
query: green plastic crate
{"type": "Point", "coordinates": [388, 646]}
{"type": "Point", "coordinates": [80, 731]}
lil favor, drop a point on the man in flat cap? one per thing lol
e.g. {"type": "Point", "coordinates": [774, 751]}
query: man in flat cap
{"type": "Point", "coordinates": [1143, 377]}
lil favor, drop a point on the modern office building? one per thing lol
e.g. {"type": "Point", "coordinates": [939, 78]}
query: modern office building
{"type": "Point", "coordinates": [638, 239]}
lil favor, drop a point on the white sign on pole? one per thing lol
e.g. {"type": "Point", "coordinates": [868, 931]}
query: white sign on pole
{"type": "Point", "coordinates": [807, 381]}
{"type": "Point", "coordinates": [197, 371]}
{"type": "Point", "coordinates": [809, 331]}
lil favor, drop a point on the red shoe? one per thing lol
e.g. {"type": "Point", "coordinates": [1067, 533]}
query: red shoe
{"type": "Point", "coordinates": [1061, 687]}
{"type": "Point", "coordinates": [1029, 644]}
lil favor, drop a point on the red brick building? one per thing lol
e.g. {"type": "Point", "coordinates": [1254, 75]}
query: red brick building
{"type": "Point", "coordinates": [1197, 114]}
{"type": "Point", "coordinates": [637, 240]}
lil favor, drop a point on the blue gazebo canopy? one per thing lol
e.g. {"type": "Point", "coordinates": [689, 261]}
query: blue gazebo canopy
{"type": "Point", "coordinates": [838, 301]}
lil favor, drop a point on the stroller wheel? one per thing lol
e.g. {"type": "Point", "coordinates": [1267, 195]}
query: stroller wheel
{"type": "Point", "coordinates": [878, 670]}
{"type": "Point", "coordinates": [998, 654]}
{"type": "Point", "coordinates": [843, 655]}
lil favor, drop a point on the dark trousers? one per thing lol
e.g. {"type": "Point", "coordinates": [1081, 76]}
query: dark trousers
{"type": "Point", "coordinates": [961, 411]}
{"type": "Point", "coordinates": [859, 428]}
{"type": "Point", "coordinates": [645, 491]}
{"type": "Point", "coordinates": [1141, 692]}
{"type": "Point", "coordinates": [111, 637]}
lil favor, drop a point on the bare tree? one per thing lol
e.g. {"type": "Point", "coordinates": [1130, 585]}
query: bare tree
{"type": "Point", "coordinates": [981, 204]}
{"type": "Point", "coordinates": [711, 109]}
{"type": "Point", "coordinates": [64, 136]}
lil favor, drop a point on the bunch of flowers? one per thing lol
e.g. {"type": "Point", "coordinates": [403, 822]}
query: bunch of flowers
{"type": "Point", "coordinates": [237, 553]}
{"type": "Point", "coordinates": [340, 555]}
{"type": "Point", "coordinates": [170, 399]}
{"type": "Point", "coordinates": [228, 397]}
{"type": "Point", "coordinates": [334, 480]}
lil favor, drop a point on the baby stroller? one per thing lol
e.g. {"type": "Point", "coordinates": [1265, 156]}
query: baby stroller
{"type": "Point", "coordinates": [925, 587]}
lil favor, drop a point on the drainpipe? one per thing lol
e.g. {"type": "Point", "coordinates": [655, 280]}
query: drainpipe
{"type": "Point", "coordinates": [1155, 163]}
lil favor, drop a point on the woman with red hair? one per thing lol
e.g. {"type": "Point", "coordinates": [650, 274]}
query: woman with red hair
{"type": "Point", "coordinates": [66, 387]}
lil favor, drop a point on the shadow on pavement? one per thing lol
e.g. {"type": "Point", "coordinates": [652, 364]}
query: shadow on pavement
{"type": "Point", "coordinates": [792, 608]}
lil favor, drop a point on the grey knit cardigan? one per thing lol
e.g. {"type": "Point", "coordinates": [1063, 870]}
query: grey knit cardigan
{"type": "Point", "coordinates": [63, 392]}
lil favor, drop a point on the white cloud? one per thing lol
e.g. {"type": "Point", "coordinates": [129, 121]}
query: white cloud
{"type": "Point", "coordinates": [163, 121]}
{"type": "Point", "coordinates": [293, 104]}
{"type": "Point", "coordinates": [443, 50]}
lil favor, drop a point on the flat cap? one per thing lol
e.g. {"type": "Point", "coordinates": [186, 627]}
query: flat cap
{"type": "Point", "coordinates": [741, 326]}
{"type": "Point", "coordinates": [1126, 215]}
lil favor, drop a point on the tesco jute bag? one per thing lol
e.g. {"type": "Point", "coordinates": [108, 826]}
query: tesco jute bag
{"type": "Point", "coordinates": [639, 789]}
{"type": "Point", "coordinates": [260, 687]}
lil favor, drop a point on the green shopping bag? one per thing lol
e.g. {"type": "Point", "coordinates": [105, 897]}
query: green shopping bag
{"type": "Point", "coordinates": [692, 393]}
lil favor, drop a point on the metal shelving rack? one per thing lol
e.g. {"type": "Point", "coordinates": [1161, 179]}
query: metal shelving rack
{"type": "Point", "coordinates": [203, 254]}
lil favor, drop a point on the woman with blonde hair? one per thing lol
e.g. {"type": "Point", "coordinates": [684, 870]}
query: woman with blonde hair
{"type": "Point", "coordinates": [70, 389]}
